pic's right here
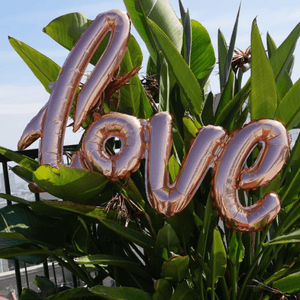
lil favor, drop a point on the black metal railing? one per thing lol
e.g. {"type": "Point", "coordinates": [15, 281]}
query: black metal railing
{"type": "Point", "coordinates": [56, 273]}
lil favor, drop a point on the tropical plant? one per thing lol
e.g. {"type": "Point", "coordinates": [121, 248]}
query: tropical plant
{"type": "Point", "coordinates": [105, 228]}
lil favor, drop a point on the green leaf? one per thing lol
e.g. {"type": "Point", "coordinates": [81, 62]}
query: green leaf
{"type": "Point", "coordinates": [207, 114]}
{"type": "Point", "coordinates": [70, 184]}
{"type": "Point", "coordinates": [281, 58]}
{"type": "Point", "coordinates": [67, 29]}
{"type": "Point", "coordinates": [226, 116]}
{"type": "Point", "coordinates": [174, 167]}
{"type": "Point", "coordinates": [19, 222]}
{"type": "Point", "coordinates": [175, 269]}
{"type": "Point", "coordinates": [288, 111]}
{"type": "Point", "coordinates": [293, 158]}
{"type": "Point", "coordinates": [120, 293]}
{"type": "Point", "coordinates": [184, 223]}
{"type": "Point", "coordinates": [293, 237]}
{"type": "Point", "coordinates": [187, 36]}
{"type": "Point", "coordinates": [23, 160]}
{"type": "Point", "coordinates": [43, 68]}
{"type": "Point", "coordinates": [190, 131]}
{"type": "Point", "coordinates": [28, 294]}
{"type": "Point", "coordinates": [183, 74]}
{"type": "Point", "coordinates": [236, 249]}
{"type": "Point", "coordinates": [277, 275]}
{"type": "Point", "coordinates": [133, 99]}
{"type": "Point", "coordinates": [130, 93]}
{"type": "Point", "coordinates": [226, 95]}
{"type": "Point", "coordinates": [163, 290]}
{"type": "Point", "coordinates": [23, 173]}
{"type": "Point", "coordinates": [218, 260]}
{"type": "Point", "coordinates": [202, 56]}
{"type": "Point", "coordinates": [79, 292]}
{"type": "Point", "coordinates": [270, 45]}
{"type": "Point", "coordinates": [167, 242]}
{"type": "Point", "coordinates": [222, 56]}
{"type": "Point", "coordinates": [161, 13]}
{"type": "Point", "coordinates": [285, 82]}
{"type": "Point", "coordinates": [15, 199]}
{"type": "Point", "coordinates": [164, 85]}
{"type": "Point", "coordinates": [112, 260]}
{"type": "Point", "coordinates": [227, 66]}
{"type": "Point", "coordinates": [81, 238]}
{"type": "Point", "coordinates": [288, 284]}
{"type": "Point", "coordinates": [29, 254]}
{"type": "Point", "coordinates": [290, 190]}
{"type": "Point", "coordinates": [183, 292]}
{"type": "Point", "coordinates": [263, 100]}
{"type": "Point", "coordinates": [85, 210]}
{"type": "Point", "coordinates": [135, 236]}
{"type": "Point", "coordinates": [46, 286]}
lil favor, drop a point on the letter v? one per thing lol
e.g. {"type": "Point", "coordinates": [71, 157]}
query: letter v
{"type": "Point", "coordinates": [168, 199]}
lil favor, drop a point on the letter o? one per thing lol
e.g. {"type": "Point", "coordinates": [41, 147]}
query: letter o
{"type": "Point", "coordinates": [120, 165]}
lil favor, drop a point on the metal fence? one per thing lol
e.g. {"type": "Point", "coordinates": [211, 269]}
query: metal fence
{"type": "Point", "coordinates": [21, 274]}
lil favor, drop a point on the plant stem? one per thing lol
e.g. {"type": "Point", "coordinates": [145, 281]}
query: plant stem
{"type": "Point", "coordinates": [116, 275]}
{"type": "Point", "coordinates": [224, 288]}
{"type": "Point", "coordinates": [201, 289]}
{"type": "Point", "coordinates": [79, 271]}
{"type": "Point", "coordinates": [249, 274]}
{"type": "Point", "coordinates": [201, 247]}
{"type": "Point", "coordinates": [233, 281]}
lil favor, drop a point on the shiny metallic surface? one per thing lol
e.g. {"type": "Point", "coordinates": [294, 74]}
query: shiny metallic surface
{"type": "Point", "coordinates": [229, 175]}
{"type": "Point", "coordinates": [117, 22]}
{"type": "Point", "coordinates": [120, 165]}
{"type": "Point", "coordinates": [169, 199]}
{"type": "Point", "coordinates": [34, 129]}
{"type": "Point", "coordinates": [52, 129]}
{"type": "Point", "coordinates": [78, 161]}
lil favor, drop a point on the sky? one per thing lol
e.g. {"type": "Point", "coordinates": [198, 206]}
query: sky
{"type": "Point", "coordinates": [22, 95]}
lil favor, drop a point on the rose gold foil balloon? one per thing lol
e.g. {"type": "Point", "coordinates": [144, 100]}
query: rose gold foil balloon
{"type": "Point", "coordinates": [114, 166]}
{"type": "Point", "coordinates": [34, 129]}
{"type": "Point", "coordinates": [50, 123]}
{"type": "Point", "coordinates": [169, 199]}
{"type": "Point", "coordinates": [229, 175]}
{"type": "Point", "coordinates": [211, 148]}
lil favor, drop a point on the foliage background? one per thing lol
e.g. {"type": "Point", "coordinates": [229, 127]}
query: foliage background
{"type": "Point", "coordinates": [186, 255]}
{"type": "Point", "coordinates": [21, 95]}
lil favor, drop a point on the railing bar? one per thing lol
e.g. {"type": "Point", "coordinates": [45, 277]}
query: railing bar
{"type": "Point", "coordinates": [6, 180]}
{"type": "Point", "coordinates": [8, 192]}
{"type": "Point", "coordinates": [74, 278]}
{"type": "Point", "coordinates": [63, 275]}
{"type": "Point", "coordinates": [54, 273]}
{"type": "Point", "coordinates": [18, 277]}
{"type": "Point", "coordinates": [37, 197]}
{"type": "Point", "coordinates": [46, 269]}
{"type": "Point", "coordinates": [26, 275]}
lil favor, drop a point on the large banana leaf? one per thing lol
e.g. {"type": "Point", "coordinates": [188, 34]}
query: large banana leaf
{"type": "Point", "coordinates": [288, 111]}
{"type": "Point", "coordinates": [70, 184]}
{"type": "Point", "coordinates": [21, 229]}
{"type": "Point", "coordinates": [183, 74]}
{"type": "Point", "coordinates": [202, 55]}
{"type": "Point", "coordinates": [285, 82]}
{"type": "Point", "coordinates": [28, 163]}
{"type": "Point", "coordinates": [161, 13]}
{"type": "Point", "coordinates": [263, 99]}
{"type": "Point", "coordinates": [224, 74]}
{"type": "Point", "coordinates": [43, 68]}
{"type": "Point", "coordinates": [281, 58]}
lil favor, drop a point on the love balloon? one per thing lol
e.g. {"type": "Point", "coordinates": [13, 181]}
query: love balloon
{"type": "Point", "coordinates": [152, 139]}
